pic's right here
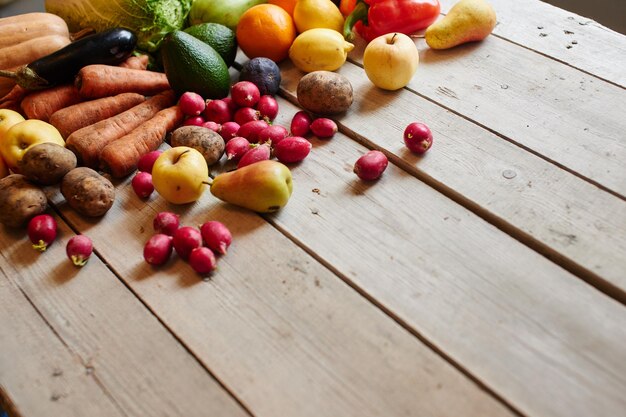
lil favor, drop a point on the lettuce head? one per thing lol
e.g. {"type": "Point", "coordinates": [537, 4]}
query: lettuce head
{"type": "Point", "coordinates": [151, 20]}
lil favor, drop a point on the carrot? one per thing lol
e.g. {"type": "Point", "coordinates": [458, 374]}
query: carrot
{"type": "Point", "coordinates": [136, 62]}
{"type": "Point", "coordinates": [11, 105]}
{"type": "Point", "coordinates": [42, 103]}
{"type": "Point", "coordinates": [69, 119]}
{"type": "Point", "coordinates": [17, 93]}
{"type": "Point", "coordinates": [120, 157]}
{"type": "Point", "coordinates": [88, 142]}
{"type": "Point", "coordinates": [95, 81]}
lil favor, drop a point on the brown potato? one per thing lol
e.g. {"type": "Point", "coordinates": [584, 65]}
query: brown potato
{"type": "Point", "coordinates": [20, 200]}
{"type": "Point", "coordinates": [47, 163]}
{"type": "Point", "coordinates": [88, 192]}
{"type": "Point", "coordinates": [208, 142]}
{"type": "Point", "coordinates": [324, 92]}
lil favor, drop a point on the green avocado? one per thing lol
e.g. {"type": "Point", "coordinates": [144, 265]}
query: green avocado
{"type": "Point", "coordinates": [192, 65]}
{"type": "Point", "coordinates": [219, 37]}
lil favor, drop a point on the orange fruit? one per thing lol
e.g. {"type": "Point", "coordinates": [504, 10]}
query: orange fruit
{"type": "Point", "coordinates": [266, 30]}
{"type": "Point", "coordinates": [288, 5]}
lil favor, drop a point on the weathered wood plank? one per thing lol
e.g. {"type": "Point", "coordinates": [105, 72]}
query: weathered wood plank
{"type": "Point", "coordinates": [277, 328]}
{"type": "Point", "coordinates": [563, 216]}
{"type": "Point", "coordinates": [563, 35]}
{"type": "Point", "coordinates": [110, 334]}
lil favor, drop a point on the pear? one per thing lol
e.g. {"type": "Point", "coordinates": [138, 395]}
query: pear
{"type": "Point", "coordinates": [263, 186]}
{"type": "Point", "coordinates": [467, 21]}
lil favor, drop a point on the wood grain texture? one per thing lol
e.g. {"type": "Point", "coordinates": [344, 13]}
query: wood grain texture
{"type": "Point", "coordinates": [116, 341]}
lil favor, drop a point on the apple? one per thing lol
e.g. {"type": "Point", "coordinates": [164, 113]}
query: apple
{"type": "Point", "coordinates": [8, 118]}
{"type": "Point", "coordinates": [180, 175]}
{"type": "Point", "coordinates": [24, 135]}
{"type": "Point", "coordinates": [390, 61]}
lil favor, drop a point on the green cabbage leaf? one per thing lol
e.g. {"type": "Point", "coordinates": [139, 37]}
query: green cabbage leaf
{"type": "Point", "coordinates": [151, 20]}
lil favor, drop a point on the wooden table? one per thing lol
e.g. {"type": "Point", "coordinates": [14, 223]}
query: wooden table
{"type": "Point", "coordinates": [487, 278]}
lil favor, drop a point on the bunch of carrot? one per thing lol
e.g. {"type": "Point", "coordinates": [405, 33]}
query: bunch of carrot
{"type": "Point", "coordinates": [104, 115]}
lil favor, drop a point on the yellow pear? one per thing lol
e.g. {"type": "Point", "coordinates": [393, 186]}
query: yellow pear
{"type": "Point", "coordinates": [467, 21]}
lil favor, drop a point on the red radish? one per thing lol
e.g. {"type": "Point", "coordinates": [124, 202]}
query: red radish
{"type": "Point", "coordinates": [194, 121]}
{"type": "Point", "coordinates": [371, 165]}
{"type": "Point", "coordinates": [42, 230]}
{"type": "Point", "coordinates": [166, 222]}
{"type": "Point", "coordinates": [267, 107]}
{"type": "Point", "coordinates": [301, 123]}
{"type": "Point", "coordinates": [191, 104]}
{"type": "Point", "coordinates": [245, 94]}
{"type": "Point", "coordinates": [146, 162]}
{"type": "Point", "coordinates": [324, 128]}
{"type": "Point", "coordinates": [218, 111]}
{"type": "Point", "coordinates": [79, 248]}
{"type": "Point", "coordinates": [213, 126]}
{"type": "Point", "coordinates": [216, 236]}
{"type": "Point", "coordinates": [185, 239]}
{"type": "Point", "coordinates": [202, 260]}
{"type": "Point", "coordinates": [245, 114]}
{"type": "Point", "coordinates": [229, 130]}
{"type": "Point", "coordinates": [142, 184]}
{"type": "Point", "coordinates": [158, 249]}
{"type": "Point", "coordinates": [273, 134]}
{"type": "Point", "coordinates": [236, 148]}
{"type": "Point", "coordinates": [418, 137]}
{"type": "Point", "coordinates": [251, 130]}
{"type": "Point", "coordinates": [231, 104]}
{"type": "Point", "coordinates": [292, 149]}
{"type": "Point", "coordinates": [257, 153]}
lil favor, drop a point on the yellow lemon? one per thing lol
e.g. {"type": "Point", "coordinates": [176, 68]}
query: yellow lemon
{"type": "Point", "coordinates": [319, 49]}
{"type": "Point", "coordinates": [311, 14]}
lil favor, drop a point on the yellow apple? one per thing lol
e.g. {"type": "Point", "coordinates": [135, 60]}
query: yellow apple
{"type": "Point", "coordinates": [24, 135]}
{"type": "Point", "coordinates": [390, 61]}
{"type": "Point", "coordinates": [180, 175]}
{"type": "Point", "coordinates": [8, 118]}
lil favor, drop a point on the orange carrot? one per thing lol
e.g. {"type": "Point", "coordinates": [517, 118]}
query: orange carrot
{"type": "Point", "coordinates": [17, 93]}
{"type": "Point", "coordinates": [136, 62]}
{"type": "Point", "coordinates": [88, 142]}
{"type": "Point", "coordinates": [120, 157]}
{"type": "Point", "coordinates": [11, 105]}
{"type": "Point", "coordinates": [41, 104]}
{"type": "Point", "coordinates": [95, 81]}
{"type": "Point", "coordinates": [69, 119]}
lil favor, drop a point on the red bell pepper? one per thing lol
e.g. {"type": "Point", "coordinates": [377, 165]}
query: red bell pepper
{"type": "Point", "coordinates": [373, 18]}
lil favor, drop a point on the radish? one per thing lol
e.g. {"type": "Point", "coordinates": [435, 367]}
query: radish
{"type": "Point", "coordinates": [216, 236]}
{"type": "Point", "coordinates": [158, 249]}
{"type": "Point", "coordinates": [202, 260]}
{"type": "Point", "coordinates": [371, 165]}
{"type": "Point", "coordinates": [324, 128]}
{"type": "Point", "coordinates": [418, 137]}
{"type": "Point", "coordinates": [79, 248]}
{"type": "Point", "coordinates": [300, 123]}
{"type": "Point", "coordinates": [218, 111]}
{"type": "Point", "coordinates": [251, 130]}
{"type": "Point", "coordinates": [236, 148]}
{"type": "Point", "coordinates": [166, 222]}
{"type": "Point", "coordinates": [194, 121]}
{"type": "Point", "coordinates": [267, 108]}
{"type": "Point", "coordinates": [257, 153]}
{"type": "Point", "coordinates": [273, 134]}
{"type": "Point", "coordinates": [185, 239]}
{"type": "Point", "coordinates": [42, 230]}
{"type": "Point", "coordinates": [246, 114]}
{"type": "Point", "coordinates": [232, 106]}
{"type": "Point", "coordinates": [146, 162]}
{"type": "Point", "coordinates": [191, 104]}
{"type": "Point", "coordinates": [142, 184]}
{"type": "Point", "coordinates": [229, 130]}
{"type": "Point", "coordinates": [292, 149]}
{"type": "Point", "coordinates": [212, 126]}
{"type": "Point", "coordinates": [245, 94]}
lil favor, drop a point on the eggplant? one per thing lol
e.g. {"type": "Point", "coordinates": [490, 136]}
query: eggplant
{"type": "Point", "coordinates": [110, 47]}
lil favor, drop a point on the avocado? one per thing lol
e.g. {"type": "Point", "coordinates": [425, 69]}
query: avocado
{"type": "Point", "coordinates": [219, 37]}
{"type": "Point", "coordinates": [192, 65]}
{"type": "Point", "coordinates": [263, 72]}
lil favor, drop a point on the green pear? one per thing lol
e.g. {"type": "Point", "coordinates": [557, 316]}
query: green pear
{"type": "Point", "coordinates": [467, 21]}
{"type": "Point", "coordinates": [263, 186]}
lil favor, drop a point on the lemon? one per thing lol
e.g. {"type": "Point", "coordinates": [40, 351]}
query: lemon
{"type": "Point", "coordinates": [319, 49]}
{"type": "Point", "coordinates": [311, 14]}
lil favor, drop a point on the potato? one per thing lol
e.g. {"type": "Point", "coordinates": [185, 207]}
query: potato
{"type": "Point", "coordinates": [20, 200]}
{"type": "Point", "coordinates": [47, 163]}
{"type": "Point", "coordinates": [88, 192]}
{"type": "Point", "coordinates": [324, 92]}
{"type": "Point", "coordinates": [206, 141]}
